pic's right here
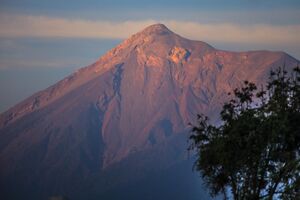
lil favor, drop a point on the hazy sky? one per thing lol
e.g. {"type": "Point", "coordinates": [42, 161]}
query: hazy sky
{"type": "Point", "coordinates": [43, 41]}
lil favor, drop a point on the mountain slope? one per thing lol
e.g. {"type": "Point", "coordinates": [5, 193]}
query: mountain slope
{"type": "Point", "coordinates": [122, 119]}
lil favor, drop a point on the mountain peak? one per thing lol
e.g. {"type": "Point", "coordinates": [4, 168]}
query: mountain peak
{"type": "Point", "coordinates": [122, 118]}
{"type": "Point", "coordinates": [159, 29]}
{"type": "Point", "coordinates": [154, 34]}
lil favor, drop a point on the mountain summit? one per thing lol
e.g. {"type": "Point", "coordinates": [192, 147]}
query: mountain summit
{"type": "Point", "coordinates": [156, 29]}
{"type": "Point", "coordinates": [118, 127]}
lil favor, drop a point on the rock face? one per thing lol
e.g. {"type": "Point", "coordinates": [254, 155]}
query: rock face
{"type": "Point", "coordinates": [118, 129]}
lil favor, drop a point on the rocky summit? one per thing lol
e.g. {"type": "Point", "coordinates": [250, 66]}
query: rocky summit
{"type": "Point", "coordinates": [118, 128]}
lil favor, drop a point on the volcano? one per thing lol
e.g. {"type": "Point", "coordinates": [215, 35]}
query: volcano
{"type": "Point", "coordinates": [118, 128]}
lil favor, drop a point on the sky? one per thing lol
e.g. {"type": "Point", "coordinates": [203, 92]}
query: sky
{"type": "Point", "coordinates": [43, 41]}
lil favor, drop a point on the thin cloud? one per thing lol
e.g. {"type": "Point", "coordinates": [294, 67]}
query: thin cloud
{"type": "Point", "coordinates": [16, 26]}
{"type": "Point", "coordinates": [226, 32]}
{"type": "Point", "coordinates": [6, 64]}
{"type": "Point", "coordinates": [42, 26]}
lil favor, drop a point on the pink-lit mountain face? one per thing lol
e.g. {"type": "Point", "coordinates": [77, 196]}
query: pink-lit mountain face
{"type": "Point", "coordinates": [118, 128]}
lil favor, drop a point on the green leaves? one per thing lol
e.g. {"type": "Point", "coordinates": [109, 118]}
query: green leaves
{"type": "Point", "coordinates": [256, 150]}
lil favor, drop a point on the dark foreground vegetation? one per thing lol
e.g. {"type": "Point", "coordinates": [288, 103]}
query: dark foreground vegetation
{"type": "Point", "coordinates": [255, 152]}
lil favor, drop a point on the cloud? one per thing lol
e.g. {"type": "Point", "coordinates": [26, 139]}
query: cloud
{"type": "Point", "coordinates": [42, 26]}
{"type": "Point", "coordinates": [17, 26]}
{"type": "Point", "coordinates": [8, 63]}
{"type": "Point", "coordinates": [226, 32]}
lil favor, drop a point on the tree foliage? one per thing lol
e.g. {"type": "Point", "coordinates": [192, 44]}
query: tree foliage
{"type": "Point", "coordinates": [255, 152]}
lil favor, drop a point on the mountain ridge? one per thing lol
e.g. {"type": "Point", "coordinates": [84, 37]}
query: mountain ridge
{"type": "Point", "coordinates": [127, 112]}
{"type": "Point", "coordinates": [101, 65]}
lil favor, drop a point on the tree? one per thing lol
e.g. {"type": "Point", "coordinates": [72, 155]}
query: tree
{"type": "Point", "coordinates": [255, 152]}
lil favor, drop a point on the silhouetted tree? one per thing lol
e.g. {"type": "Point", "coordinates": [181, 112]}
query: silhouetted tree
{"type": "Point", "coordinates": [255, 152]}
